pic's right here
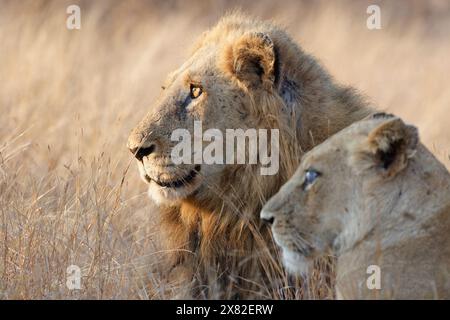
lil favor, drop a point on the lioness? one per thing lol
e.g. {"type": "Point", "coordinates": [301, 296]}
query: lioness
{"type": "Point", "coordinates": [375, 197]}
{"type": "Point", "coordinates": [242, 74]}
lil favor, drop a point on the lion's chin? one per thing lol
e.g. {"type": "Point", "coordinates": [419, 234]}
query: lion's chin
{"type": "Point", "coordinates": [166, 195]}
{"type": "Point", "coordinates": [296, 263]}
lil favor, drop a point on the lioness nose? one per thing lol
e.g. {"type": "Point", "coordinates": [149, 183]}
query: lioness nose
{"type": "Point", "coordinates": [141, 152]}
{"type": "Point", "coordinates": [267, 217]}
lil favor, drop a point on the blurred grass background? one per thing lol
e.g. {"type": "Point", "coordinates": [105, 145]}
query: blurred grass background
{"type": "Point", "coordinates": [68, 99]}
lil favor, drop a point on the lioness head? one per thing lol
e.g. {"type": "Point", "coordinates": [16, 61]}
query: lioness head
{"type": "Point", "coordinates": [229, 82]}
{"type": "Point", "coordinates": [314, 208]}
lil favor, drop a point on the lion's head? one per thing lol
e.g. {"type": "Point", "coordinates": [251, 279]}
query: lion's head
{"type": "Point", "coordinates": [232, 80]}
{"type": "Point", "coordinates": [321, 208]}
{"type": "Point", "coordinates": [242, 74]}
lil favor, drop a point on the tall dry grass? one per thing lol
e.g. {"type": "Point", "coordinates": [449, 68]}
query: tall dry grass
{"type": "Point", "coordinates": [69, 98]}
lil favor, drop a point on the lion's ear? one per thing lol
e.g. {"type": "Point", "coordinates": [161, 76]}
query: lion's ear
{"type": "Point", "coordinates": [252, 60]}
{"type": "Point", "coordinates": [389, 146]}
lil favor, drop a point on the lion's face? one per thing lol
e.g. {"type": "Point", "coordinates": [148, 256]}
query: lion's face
{"type": "Point", "coordinates": [334, 180]}
{"type": "Point", "coordinates": [211, 87]}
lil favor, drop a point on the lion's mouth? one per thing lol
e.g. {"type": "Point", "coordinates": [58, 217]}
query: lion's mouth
{"type": "Point", "coordinates": [176, 183]}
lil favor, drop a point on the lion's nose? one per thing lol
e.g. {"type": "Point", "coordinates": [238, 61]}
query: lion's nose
{"type": "Point", "coordinates": [141, 152]}
{"type": "Point", "coordinates": [267, 216]}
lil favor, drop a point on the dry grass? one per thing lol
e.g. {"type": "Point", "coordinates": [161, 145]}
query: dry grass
{"type": "Point", "coordinates": [69, 98]}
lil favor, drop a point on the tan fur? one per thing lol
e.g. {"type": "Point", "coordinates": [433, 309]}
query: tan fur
{"type": "Point", "coordinates": [381, 199]}
{"type": "Point", "coordinates": [253, 76]}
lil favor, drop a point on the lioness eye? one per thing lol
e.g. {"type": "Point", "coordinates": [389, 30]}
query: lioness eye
{"type": "Point", "coordinates": [310, 176]}
{"type": "Point", "coordinates": [196, 91]}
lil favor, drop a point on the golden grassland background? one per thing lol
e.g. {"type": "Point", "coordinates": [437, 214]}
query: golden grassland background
{"type": "Point", "coordinates": [69, 191]}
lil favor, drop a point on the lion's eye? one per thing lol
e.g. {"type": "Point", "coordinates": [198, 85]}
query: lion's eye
{"type": "Point", "coordinates": [310, 176]}
{"type": "Point", "coordinates": [196, 91]}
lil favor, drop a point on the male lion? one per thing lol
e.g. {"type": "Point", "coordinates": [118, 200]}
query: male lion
{"type": "Point", "coordinates": [380, 202]}
{"type": "Point", "coordinates": [242, 73]}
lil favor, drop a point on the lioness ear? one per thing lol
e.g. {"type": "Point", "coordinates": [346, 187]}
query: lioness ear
{"type": "Point", "coordinates": [252, 60]}
{"type": "Point", "coordinates": [389, 146]}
